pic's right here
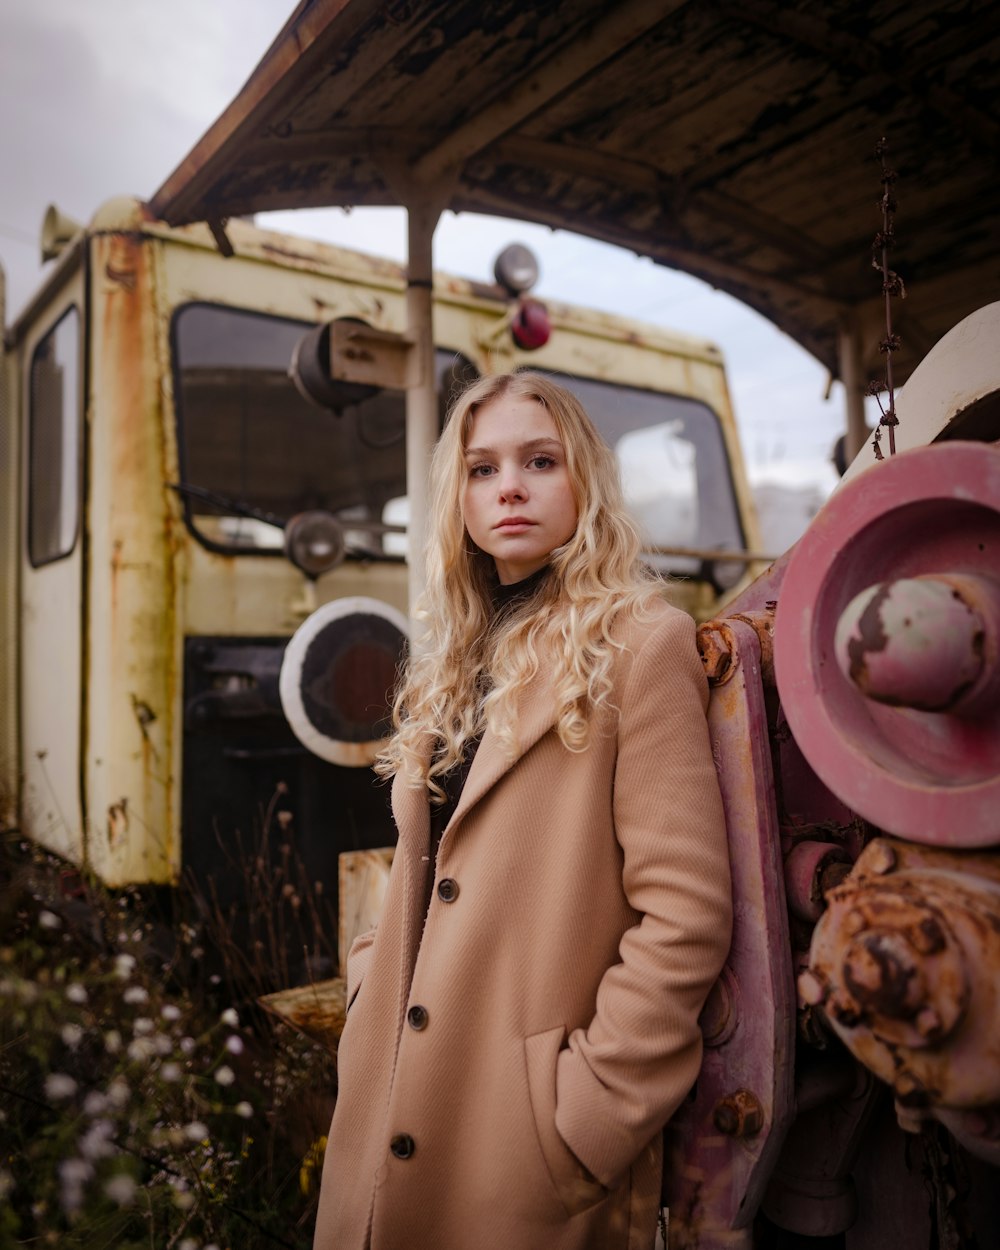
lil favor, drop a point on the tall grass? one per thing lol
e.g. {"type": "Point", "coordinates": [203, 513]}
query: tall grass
{"type": "Point", "coordinates": [145, 1098]}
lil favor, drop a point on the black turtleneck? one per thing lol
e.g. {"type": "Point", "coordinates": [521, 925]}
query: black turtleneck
{"type": "Point", "coordinates": [516, 592]}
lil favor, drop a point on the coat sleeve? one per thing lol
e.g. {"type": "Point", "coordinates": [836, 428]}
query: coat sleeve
{"type": "Point", "coordinates": [620, 1079]}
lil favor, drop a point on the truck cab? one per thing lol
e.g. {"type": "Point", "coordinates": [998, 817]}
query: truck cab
{"type": "Point", "coordinates": [176, 505]}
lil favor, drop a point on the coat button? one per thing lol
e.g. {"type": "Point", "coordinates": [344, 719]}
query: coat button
{"type": "Point", "coordinates": [447, 890]}
{"type": "Point", "coordinates": [402, 1146]}
{"type": "Point", "coordinates": [416, 1017]}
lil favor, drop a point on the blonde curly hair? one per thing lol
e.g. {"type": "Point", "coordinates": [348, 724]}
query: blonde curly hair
{"type": "Point", "coordinates": [470, 662]}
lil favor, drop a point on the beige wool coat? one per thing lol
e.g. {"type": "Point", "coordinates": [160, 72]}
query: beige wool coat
{"type": "Point", "coordinates": [507, 1067]}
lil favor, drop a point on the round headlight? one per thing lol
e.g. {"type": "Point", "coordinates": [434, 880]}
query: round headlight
{"type": "Point", "coordinates": [314, 542]}
{"type": "Point", "coordinates": [516, 269]}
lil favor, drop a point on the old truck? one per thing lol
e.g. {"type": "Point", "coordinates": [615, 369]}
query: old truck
{"type": "Point", "coordinates": [182, 489]}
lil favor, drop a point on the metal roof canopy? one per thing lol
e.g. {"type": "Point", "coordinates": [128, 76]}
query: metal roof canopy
{"type": "Point", "coordinates": [730, 140]}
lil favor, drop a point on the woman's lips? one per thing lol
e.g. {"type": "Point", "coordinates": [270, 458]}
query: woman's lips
{"type": "Point", "coordinates": [514, 524]}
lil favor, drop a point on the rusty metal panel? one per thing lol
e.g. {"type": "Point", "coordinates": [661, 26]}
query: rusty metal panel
{"type": "Point", "coordinates": [131, 775]}
{"type": "Point", "coordinates": [724, 1143]}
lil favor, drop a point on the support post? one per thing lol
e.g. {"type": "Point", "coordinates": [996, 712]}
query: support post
{"type": "Point", "coordinates": [853, 377]}
{"type": "Point", "coordinates": [421, 399]}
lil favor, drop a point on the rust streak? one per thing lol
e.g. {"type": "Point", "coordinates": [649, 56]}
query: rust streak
{"type": "Point", "coordinates": [872, 637]}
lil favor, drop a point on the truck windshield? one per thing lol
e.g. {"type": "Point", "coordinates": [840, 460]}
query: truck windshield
{"type": "Point", "coordinates": [674, 467]}
{"type": "Point", "coordinates": [247, 436]}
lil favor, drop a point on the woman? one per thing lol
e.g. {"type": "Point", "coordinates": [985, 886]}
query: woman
{"type": "Point", "coordinates": [524, 1019]}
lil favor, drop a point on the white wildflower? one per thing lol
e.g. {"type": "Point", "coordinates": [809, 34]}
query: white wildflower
{"type": "Point", "coordinates": [234, 1045]}
{"type": "Point", "coordinates": [124, 966]}
{"type": "Point", "coordinates": [188, 1243]}
{"type": "Point", "coordinates": [225, 1075]}
{"type": "Point", "coordinates": [72, 1035]}
{"type": "Point", "coordinates": [244, 1110]}
{"type": "Point", "coordinates": [120, 1189]}
{"type": "Point", "coordinates": [49, 920]}
{"type": "Point", "coordinates": [170, 1011]}
{"type": "Point", "coordinates": [59, 1085]}
{"type": "Point", "coordinates": [118, 1091]}
{"type": "Point", "coordinates": [112, 1041]}
{"type": "Point", "coordinates": [163, 1044]}
{"type": "Point", "coordinates": [230, 1017]}
{"type": "Point", "coordinates": [215, 979]}
{"type": "Point", "coordinates": [73, 1173]}
{"type": "Point", "coordinates": [135, 994]}
{"type": "Point", "coordinates": [211, 1246]}
{"type": "Point", "coordinates": [95, 1103]}
{"type": "Point", "coordinates": [96, 1142]}
{"type": "Point", "coordinates": [142, 1026]}
{"type": "Point", "coordinates": [171, 1072]}
{"type": "Point", "coordinates": [195, 1131]}
{"type": "Point", "coordinates": [187, 1045]}
{"type": "Point", "coordinates": [141, 1048]}
{"type": "Point", "coordinates": [183, 1200]}
{"type": "Point", "coordinates": [76, 993]}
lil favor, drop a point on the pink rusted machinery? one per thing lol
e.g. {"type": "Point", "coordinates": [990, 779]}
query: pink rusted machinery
{"type": "Point", "coordinates": [850, 1094]}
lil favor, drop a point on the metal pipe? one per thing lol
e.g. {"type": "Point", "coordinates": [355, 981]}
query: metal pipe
{"type": "Point", "coordinates": [421, 398]}
{"type": "Point", "coordinates": [853, 378]}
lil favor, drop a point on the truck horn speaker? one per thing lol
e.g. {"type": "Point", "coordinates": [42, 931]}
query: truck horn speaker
{"type": "Point", "coordinates": [887, 644]}
{"type": "Point", "coordinates": [338, 675]}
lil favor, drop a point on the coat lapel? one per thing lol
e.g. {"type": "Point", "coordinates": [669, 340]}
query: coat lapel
{"type": "Point", "coordinates": [534, 715]}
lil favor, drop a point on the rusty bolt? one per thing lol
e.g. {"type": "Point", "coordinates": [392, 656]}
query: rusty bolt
{"type": "Point", "coordinates": [882, 971]}
{"type": "Point", "coordinates": [812, 988]}
{"type": "Point", "coordinates": [909, 1120]}
{"type": "Point", "coordinates": [715, 654]}
{"type": "Point", "coordinates": [928, 937]}
{"type": "Point", "coordinates": [911, 1091]}
{"type": "Point", "coordinates": [881, 858]}
{"type": "Point", "coordinates": [928, 1023]}
{"type": "Point", "coordinates": [844, 1009]}
{"type": "Point", "coordinates": [833, 874]}
{"type": "Point", "coordinates": [739, 1114]}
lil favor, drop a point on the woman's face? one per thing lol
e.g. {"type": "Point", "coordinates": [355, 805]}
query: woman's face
{"type": "Point", "coordinates": [518, 503]}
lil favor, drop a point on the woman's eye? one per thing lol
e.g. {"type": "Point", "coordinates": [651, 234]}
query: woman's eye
{"type": "Point", "coordinates": [481, 470]}
{"type": "Point", "coordinates": [541, 462]}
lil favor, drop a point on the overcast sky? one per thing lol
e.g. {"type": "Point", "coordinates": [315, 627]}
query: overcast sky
{"type": "Point", "coordinates": [104, 97]}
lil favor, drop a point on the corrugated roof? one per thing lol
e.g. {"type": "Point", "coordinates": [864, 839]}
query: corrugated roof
{"type": "Point", "coordinates": [730, 140]}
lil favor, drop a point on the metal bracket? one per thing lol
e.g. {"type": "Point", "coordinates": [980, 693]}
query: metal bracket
{"type": "Point", "coordinates": [360, 353]}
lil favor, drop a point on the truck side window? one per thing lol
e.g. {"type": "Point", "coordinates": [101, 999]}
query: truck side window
{"type": "Point", "coordinates": [54, 416]}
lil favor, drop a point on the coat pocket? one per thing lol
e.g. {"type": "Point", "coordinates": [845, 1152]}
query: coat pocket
{"type": "Point", "coordinates": [576, 1189]}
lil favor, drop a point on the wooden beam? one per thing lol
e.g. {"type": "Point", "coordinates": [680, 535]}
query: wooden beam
{"type": "Point", "coordinates": [885, 66]}
{"type": "Point", "coordinates": [289, 64]}
{"type": "Point", "coordinates": [546, 80]}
